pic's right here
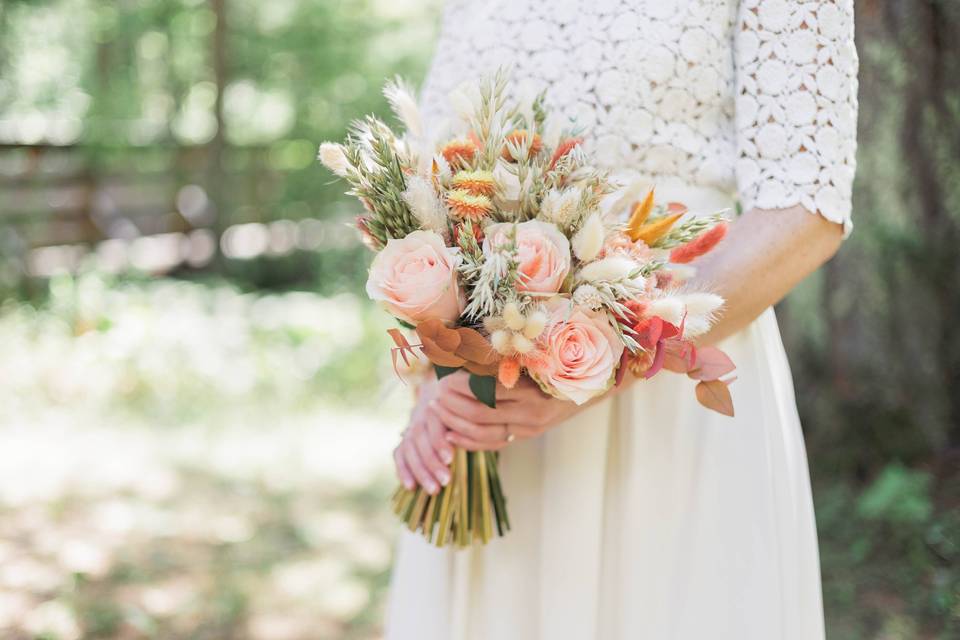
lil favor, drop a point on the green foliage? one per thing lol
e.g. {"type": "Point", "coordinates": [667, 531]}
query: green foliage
{"type": "Point", "coordinates": [485, 389]}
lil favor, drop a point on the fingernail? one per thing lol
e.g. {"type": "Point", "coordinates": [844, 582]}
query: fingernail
{"type": "Point", "coordinates": [444, 478]}
{"type": "Point", "coordinates": [449, 437]}
{"type": "Point", "coordinates": [408, 484]}
{"type": "Point", "coordinates": [431, 487]}
{"type": "Point", "coordinates": [447, 456]}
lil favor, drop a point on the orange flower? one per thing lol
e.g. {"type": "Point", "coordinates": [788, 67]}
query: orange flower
{"type": "Point", "coordinates": [459, 152]}
{"type": "Point", "coordinates": [509, 372]}
{"type": "Point", "coordinates": [563, 149]}
{"type": "Point", "coordinates": [519, 137]}
{"type": "Point", "coordinates": [466, 205]}
{"type": "Point", "coordinates": [479, 183]}
{"type": "Point", "coordinates": [700, 245]}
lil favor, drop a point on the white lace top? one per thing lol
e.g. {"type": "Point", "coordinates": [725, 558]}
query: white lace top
{"type": "Point", "coordinates": [757, 97]}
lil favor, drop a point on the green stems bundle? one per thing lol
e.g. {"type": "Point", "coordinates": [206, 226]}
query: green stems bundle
{"type": "Point", "coordinates": [466, 510]}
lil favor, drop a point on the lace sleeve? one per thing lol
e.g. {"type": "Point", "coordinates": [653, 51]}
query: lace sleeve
{"type": "Point", "coordinates": [796, 105]}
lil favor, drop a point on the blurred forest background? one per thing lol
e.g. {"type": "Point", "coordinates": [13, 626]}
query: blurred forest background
{"type": "Point", "coordinates": [189, 444]}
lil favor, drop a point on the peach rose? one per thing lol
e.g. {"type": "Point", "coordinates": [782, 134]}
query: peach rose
{"type": "Point", "coordinates": [415, 278]}
{"type": "Point", "coordinates": [581, 353]}
{"type": "Point", "coordinates": [544, 253]}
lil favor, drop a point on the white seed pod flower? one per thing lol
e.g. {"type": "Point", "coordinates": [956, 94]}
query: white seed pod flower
{"type": "Point", "coordinates": [334, 158]}
{"type": "Point", "coordinates": [500, 340]}
{"type": "Point", "coordinates": [560, 207]}
{"type": "Point", "coordinates": [513, 317]}
{"type": "Point", "coordinates": [521, 343]}
{"type": "Point", "coordinates": [586, 295]}
{"type": "Point", "coordinates": [404, 104]}
{"type": "Point", "coordinates": [610, 269]}
{"type": "Point", "coordinates": [670, 308]}
{"type": "Point", "coordinates": [701, 310]}
{"type": "Point", "coordinates": [426, 205]}
{"type": "Point", "coordinates": [536, 323]}
{"type": "Point", "coordinates": [589, 240]}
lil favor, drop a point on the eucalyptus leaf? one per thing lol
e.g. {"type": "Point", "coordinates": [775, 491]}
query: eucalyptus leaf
{"type": "Point", "coordinates": [485, 389]}
{"type": "Point", "coordinates": [443, 372]}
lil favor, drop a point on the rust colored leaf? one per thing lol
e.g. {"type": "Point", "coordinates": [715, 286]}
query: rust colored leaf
{"type": "Point", "coordinates": [715, 395]}
{"type": "Point", "coordinates": [679, 357]}
{"type": "Point", "coordinates": [399, 339]}
{"type": "Point", "coordinates": [442, 336]}
{"type": "Point", "coordinates": [440, 356]}
{"type": "Point", "coordinates": [482, 369]}
{"type": "Point", "coordinates": [712, 364]}
{"type": "Point", "coordinates": [475, 347]}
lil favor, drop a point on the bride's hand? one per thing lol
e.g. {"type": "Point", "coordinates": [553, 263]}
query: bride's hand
{"type": "Point", "coordinates": [424, 454]}
{"type": "Point", "coordinates": [522, 412]}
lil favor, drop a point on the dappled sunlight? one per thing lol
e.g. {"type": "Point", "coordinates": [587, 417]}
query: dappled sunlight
{"type": "Point", "coordinates": [254, 507]}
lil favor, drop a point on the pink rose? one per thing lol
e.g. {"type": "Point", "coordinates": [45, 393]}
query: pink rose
{"type": "Point", "coordinates": [581, 352]}
{"type": "Point", "coordinates": [415, 278]}
{"type": "Point", "coordinates": [544, 253]}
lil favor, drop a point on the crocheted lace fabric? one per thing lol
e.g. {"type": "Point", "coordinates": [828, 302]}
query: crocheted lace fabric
{"type": "Point", "coordinates": [756, 97]}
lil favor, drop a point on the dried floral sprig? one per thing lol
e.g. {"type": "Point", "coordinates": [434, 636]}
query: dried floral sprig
{"type": "Point", "coordinates": [687, 230]}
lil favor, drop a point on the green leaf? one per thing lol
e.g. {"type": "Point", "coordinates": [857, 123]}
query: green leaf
{"type": "Point", "coordinates": [443, 372]}
{"type": "Point", "coordinates": [485, 389]}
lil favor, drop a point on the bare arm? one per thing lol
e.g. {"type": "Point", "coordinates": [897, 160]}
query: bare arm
{"type": "Point", "coordinates": [763, 257]}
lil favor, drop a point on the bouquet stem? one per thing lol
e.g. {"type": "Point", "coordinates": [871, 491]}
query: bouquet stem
{"type": "Point", "coordinates": [464, 511]}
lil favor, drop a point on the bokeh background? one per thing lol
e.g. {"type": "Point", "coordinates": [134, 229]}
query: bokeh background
{"type": "Point", "coordinates": [196, 401]}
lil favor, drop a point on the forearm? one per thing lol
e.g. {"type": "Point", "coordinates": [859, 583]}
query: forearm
{"type": "Point", "coordinates": [765, 255]}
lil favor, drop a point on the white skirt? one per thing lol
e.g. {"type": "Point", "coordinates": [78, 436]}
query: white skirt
{"type": "Point", "coordinates": [644, 517]}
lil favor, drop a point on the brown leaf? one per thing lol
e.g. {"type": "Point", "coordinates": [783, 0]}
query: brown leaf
{"type": "Point", "coordinates": [444, 337]}
{"type": "Point", "coordinates": [714, 395]}
{"type": "Point", "coordinates": [475, 347]}
{"type": "Point", "coordinates": [712, 364]}
{"type": "Point", "coordinates": [398, 338]}
{"type": "Point", "coordinates": [482, 369]}
{"type": "Point", "coordinates": [440, 356]}
{"type": "Point", "coordinates": [678, 356]}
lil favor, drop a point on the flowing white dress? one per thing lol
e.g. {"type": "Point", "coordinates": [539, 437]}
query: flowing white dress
{"type": "Point", "coordinates": [648, 516]}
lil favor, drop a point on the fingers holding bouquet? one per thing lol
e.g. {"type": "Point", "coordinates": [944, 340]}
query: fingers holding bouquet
{"type": "Point", "coordinates": [521, 413]}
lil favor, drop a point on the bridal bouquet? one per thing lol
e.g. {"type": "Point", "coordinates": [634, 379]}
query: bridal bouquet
{"type": "Point", "coordinates": [505, 253]}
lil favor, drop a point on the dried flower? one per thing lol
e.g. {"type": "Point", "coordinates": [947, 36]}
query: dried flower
{"type": "Point", "coordinates": [502, 341]}
{"type": "Point", "coordinates": [563, 149]}
{"type": "Point", "coordinates": [587, 295]}
{"type": "Point", "coordinates": [467, 206]}
{"type": "Point", "coordinates": [459, 152]}
{"type": "Point", "coordinates": [521, 344]}
{"type": "Point", "coordinates": [333, 157]}
{"type": "Point", "coordinates": [609, 269]}
{"type": "Point", "coordinates": [479, 183]}
{"type": "Point", "coordinates": [700, 245]}
{"type": "Point", "coordinates": [508, 372]}
{"type": "Point", "coordinates": [561, 207]}
{"type": "Point", "coordinates": [512, 316]}
{"type": "Point", "coordinates": [404, 104]}
{"type": "Point", "coordinates": [535, 324]}
{"type": "Point", "coordinates": [426, 205]}
{"type": "Point", "coordinates": [589, 239]}
{"type": "Point", "coordinates": [520, 138]}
